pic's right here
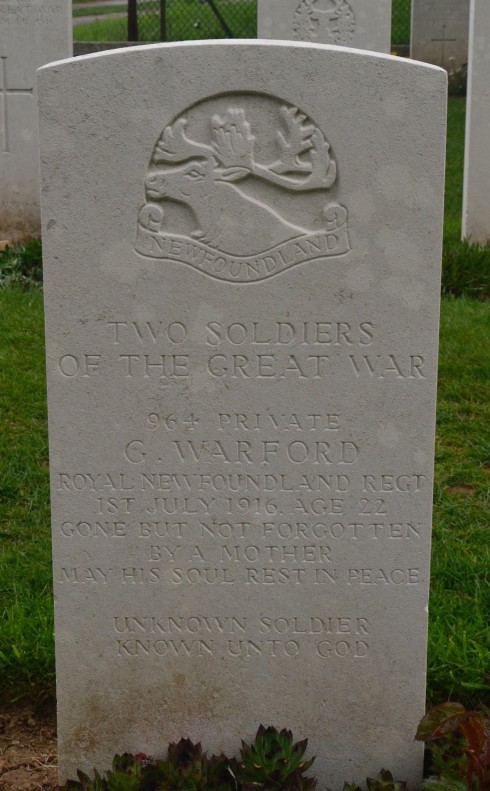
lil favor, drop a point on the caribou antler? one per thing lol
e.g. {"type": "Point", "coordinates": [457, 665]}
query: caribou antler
{"type": "Point", "coordinates": [304, 139]}
{"type": "Point", "coordinates": [174, 146]}
{"type": "Point", "coordinates": [298, 142]}
{"type": "Point", "coordinates": [304, 162]}
{"type": "Point", "coordinates": [233, 141]}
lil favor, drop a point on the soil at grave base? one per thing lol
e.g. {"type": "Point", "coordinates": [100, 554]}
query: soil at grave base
{"type": "Point", "coordinates": [28, 755]}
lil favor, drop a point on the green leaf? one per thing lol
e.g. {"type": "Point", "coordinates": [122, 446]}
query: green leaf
{"type": "Point", "coordinates": [440, 720]}
{"type": "Point", "coordinates": [443, 784]}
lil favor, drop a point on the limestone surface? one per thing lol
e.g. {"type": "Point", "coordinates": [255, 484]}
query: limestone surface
{"type": "Point", "coordinates": [32, 33]}
{"type": "Point", "coordinates": [440, 31]}
{"type": "Point", "coordinates": [242, 247]}
{"type": "Point", "coordinates": [476, 193]}
{"type": "Point", "coordinates": [364, 24]}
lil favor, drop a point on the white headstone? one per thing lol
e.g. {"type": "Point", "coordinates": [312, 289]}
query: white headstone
{"type": "Point", "coordinates": [439, 32]}
{"type": "Point", "coordinates": [364, 24]}
{"type": "Point", "coordinates": [32, 33]}
{"type": "Point", "coordinates": [476, 193]}
{"type": "Point", "coordinates": [242, 262]}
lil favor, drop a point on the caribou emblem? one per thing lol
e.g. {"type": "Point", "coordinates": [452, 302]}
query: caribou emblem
{"type": "Point", "coordinates": [238, 221]}
{"type": "Point", "coordinates": [336, 16]}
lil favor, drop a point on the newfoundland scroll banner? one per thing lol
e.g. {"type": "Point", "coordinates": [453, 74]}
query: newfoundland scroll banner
{"type": "Point", "coordinates": [242, 270]}
{"type": "Point", "coordinates": [241, 324]}
{"type": "Point", "coordinates": [234, 175]}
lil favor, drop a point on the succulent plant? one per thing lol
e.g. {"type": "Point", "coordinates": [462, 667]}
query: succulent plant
{"type": "Point", "coordinates": [125, 775]}
{"type": "Point", "coordinates": [273, 761]}
{"type": "Point", "coordinates": [187, 768]}
{"type": "Point", "coordinates": [385, 782]}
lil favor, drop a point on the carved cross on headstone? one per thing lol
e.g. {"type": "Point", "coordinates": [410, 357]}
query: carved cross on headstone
{"type": "Point", "coordinates": [5, 93]}
{"type": "Point", "coordinates": [443, 42]}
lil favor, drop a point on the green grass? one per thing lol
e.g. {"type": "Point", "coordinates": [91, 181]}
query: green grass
{"type": "Point", "coordinates": [102, 30]}
{"type": "Point", "coordinates": [26, 649]}
{"type": "Point", "coordinates": [106, 9]}
{"type": "Point", "coordinates": [460, 590]}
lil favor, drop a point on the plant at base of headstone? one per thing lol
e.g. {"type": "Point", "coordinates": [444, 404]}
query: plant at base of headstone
{"type": "Point", "coordinates": [126, 775]}
{"type": "Point", "coordinates": [21, 265]}
{"type": "Point", "coordinates": [383, 782]}
{"type": "Point", "coordinates": [458, 81]}
{"type": "Point", "coordinates": [459, 741]}
{"type": "Point", "coordinates": [187, 767]}
{"type": "Point", "coordinates": [273, 761]}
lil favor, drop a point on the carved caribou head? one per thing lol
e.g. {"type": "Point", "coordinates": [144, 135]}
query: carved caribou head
{"type": "Point", "coordinates": [190, 167]}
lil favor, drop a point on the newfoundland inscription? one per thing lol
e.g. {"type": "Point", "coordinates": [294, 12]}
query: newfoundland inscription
{"type": "Point", "coordinates": [241, 390]}
{"type": "Point", "coordinates": [218, 167]}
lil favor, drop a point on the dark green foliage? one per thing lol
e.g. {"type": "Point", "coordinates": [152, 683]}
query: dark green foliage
{"type": "Point", "coordinates": [466, 269]}
{"type": "Point", "coordinates": [273, 761]}
{"type": "Point", "coordinates": [22, 265]}
{"type": "Point", "coordinates": [459, 742]}
{"type": "Point", "coordinates": [385, 782]}
{"type": "Point", "coordinates": [187, 768]}
{"type": "Point", "coordinates": [126, 775]}
{"type": "Point", "coordinates": [458, 81]}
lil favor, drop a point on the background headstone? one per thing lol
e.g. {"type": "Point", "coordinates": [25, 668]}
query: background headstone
{"type": "Point", "coordinates": [439, 32]}
{"type": "Point", "coordinates": [476, 192]}
{"type": "Point", "coordinates": [242, 247]}
{"type": "Point", "coordinates": [32, 33]}
{"type": "Point", "coordinates": [364, 24]}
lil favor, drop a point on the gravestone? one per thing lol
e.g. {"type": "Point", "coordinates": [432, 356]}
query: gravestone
{"type": "Point", "coordinates": [439, 32]}
{"type": "Point", "coordinates": [364, 24]}
{"type": "Point", "coordinates": [32, 33]}
{"type": "Point", "coordinates": [241, 278]}
{"type": "Point", "coordinates": [476, 192]}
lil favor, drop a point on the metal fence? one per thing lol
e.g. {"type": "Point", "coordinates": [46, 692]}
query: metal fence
{"type": "Point", "coordinates": [184, 20]}
{"type": "Point", "coordinates": [400, 22]}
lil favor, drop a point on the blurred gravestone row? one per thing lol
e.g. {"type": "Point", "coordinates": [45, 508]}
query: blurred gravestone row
{"type": "Point", "coordinates": [183, 20]}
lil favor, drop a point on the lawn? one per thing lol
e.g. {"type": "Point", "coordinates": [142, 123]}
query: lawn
{"type": "Point", "coordinates": [106, 9]}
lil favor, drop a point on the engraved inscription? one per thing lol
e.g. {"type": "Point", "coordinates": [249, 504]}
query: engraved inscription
{"type": "Point", "coordinates": [331, 21]}
{"type": "Point", "coordinates": [330, 637]}
{"type": "Point", "coordinates": [5, 93]}
{"type": "Point", "coordinates": [219, 188]}
{"type": "Point", "coordinates": [204, 503]}
{"type": "Point", "coordinates": [264, 351]}
{"type": "Point", "coordinates": [28, 13]}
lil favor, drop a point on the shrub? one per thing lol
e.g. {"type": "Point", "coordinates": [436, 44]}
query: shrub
{"type": "Point", "coordinates": [22, 265]}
